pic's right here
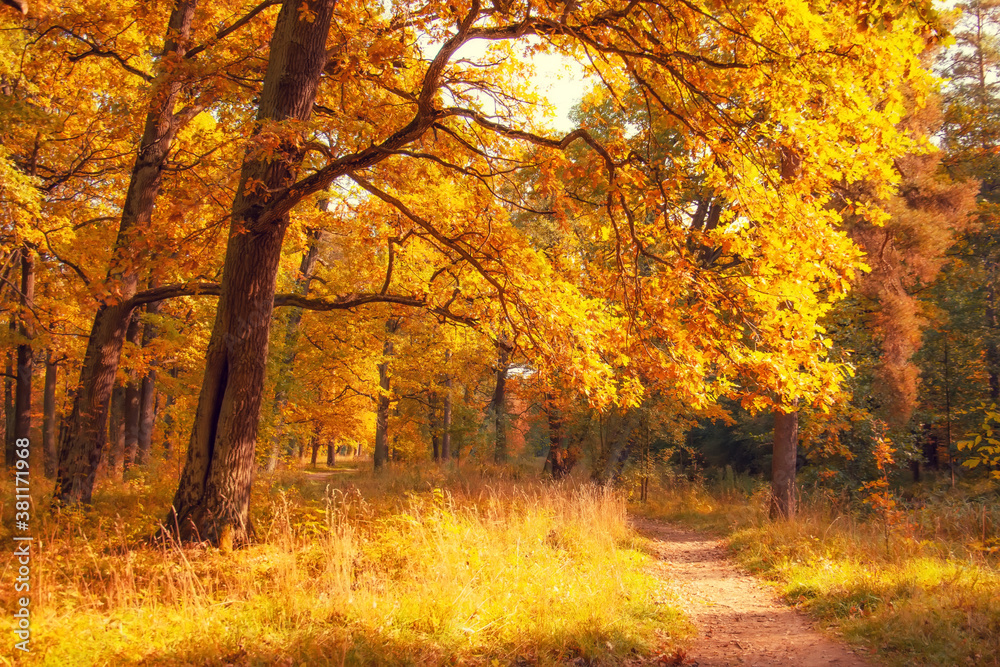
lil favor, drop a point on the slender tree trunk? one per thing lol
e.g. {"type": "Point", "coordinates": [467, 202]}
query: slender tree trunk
{"type": "Point", "coordinates": [992, 335]}
{"type": "Point", "coordinates": [147, 392]}
{"type": "Point", "coordinates": [432, 419]}
{"type": "Point", "coordinates": [306, 271]}
{"type": "Point", "coordinates": [331, 455]}
{"type": "Point", "coordinates": [133, 392]}
{"type": "Point", "coordinates": [786, 442]}
{"type": "Point", "coordinates": [498, 406]}
{"type": "Point", "coordinates": [25, 353]}
{"type": "Point", "coordinates": [557, 440]}
{"type": "Point", "coordinates": [446, 413]}
{"type": "Point", "coordinates": [381, 452]}
{"type": "Point", "coordinates": [947, 410]}
{"type": "Point", "coordinates": [81, 437]}
{"type": "Point", "coordinates": [49, 416]}
{"type": "Point", "coordinates": [168, 419]}
{"type": "Point", "coordinates": [8, 399]}
{"type": "Point", "coordinates": [315, 451]}
{"type": "Point", "coordinates": [213, 499]}
{"type": "Point", "coordinates": [116, 433]}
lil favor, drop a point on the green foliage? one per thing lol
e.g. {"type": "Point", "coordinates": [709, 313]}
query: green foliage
{"type": "Point", "coordinates": [984, 446]}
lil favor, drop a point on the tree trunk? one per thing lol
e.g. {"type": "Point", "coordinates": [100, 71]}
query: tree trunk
{"type": "Point", "coordinates": [147, 393]}
{"type": "Point", "coordinates": [116, 433]}
{"type": "Point", "coordinates": [25, 353]}
{"type": "Point", "coordinates": [381, 452]}
{"type": "Point", "coordinates": [557, 459]}
{"type": "Point", "coordinates": [49, 416]}
{"type": "Point", "coordinates": [306, 271]}
{"type": "Point", "coordinates": [315, 451]}
{"type": "Point", "coordinates": [213, 498]}
{"type": "Point", "coordinates": [498, 406]}
{"type": "Point", "coordinates": [432, 419]}
{"type": "Point", "coordinates": [133, 391]}
{"type": "Point", "coordinates": [786, 442]}
{"type": "Point", "coordinates": [992, 335]}
{"type": "Point", "coordinates": [331, 455]}
{"type": "Point", "coordinates": [8, 399]}
{"type": "Point", "coordinates": [446, 414]}
{"type": "Point", "coordinates": [168, 419]}
{"type": "Point", "coordinates": [81, 437]}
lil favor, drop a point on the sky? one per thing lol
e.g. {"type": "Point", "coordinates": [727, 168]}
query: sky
{"type": "Point", "coordinates": [559, 79]}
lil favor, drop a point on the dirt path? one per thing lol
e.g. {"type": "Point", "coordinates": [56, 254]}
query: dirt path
{"type": "Point", "coordinates": [739, 621]}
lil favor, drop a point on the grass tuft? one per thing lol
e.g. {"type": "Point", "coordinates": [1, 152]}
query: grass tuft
{"type": "Point", "coordinates": [927, 595]}
{"type": "Point", "coordinates": [405, 568]}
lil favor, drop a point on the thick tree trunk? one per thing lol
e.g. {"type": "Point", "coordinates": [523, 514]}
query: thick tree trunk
{"type": "Point", "coordinates": [133, 391]}
{"type": "Point", "coordinates": [147, 393]}
{"type": "Point", "coordinates": [25, 353]}
{"type": "Point", "coordinates": [315, 451]}
{"type": "Point", "coordinates": [49, 416]}
{"type": "Point", "coordinates": [786, 443]}
{"type": "Point", "coordinates": [498, 405]}
{"type": "Point", "coordinates": [213, 498]}
{"type": "Point", "coordinates": [446, 414]}
{"type": "Point", "coordinates": [306, 271]}
{"type": "Point", "coordinates": [81, 437]}
{"type": "Point", "coordinates": [331, 455]}
{"type": "Point", "coordinates": [381, 451]}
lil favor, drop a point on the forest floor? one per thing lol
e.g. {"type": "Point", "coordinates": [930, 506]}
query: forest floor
{"type": "Point", "coordinates": [738, 619]}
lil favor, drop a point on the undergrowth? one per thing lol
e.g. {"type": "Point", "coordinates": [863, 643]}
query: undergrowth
{"type": "Point", "coordinates": [406, 568]}
{"type": "Point", "coordinates": [924, 591]}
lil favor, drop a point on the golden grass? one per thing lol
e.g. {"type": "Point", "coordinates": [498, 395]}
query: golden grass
{"type": "Point", "coordinates": [927, 595]}
{"type": "Point", "coordinates": [351, 568]}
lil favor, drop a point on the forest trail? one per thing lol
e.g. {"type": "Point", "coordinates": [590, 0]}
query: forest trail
{"type": "Point", "coordinates": [739, 622]}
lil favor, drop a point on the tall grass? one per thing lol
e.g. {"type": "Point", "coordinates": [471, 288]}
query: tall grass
{"type": "Point", "coordinates": [420, 567]}
{"type": "Point", "coordinates": [924, 590]}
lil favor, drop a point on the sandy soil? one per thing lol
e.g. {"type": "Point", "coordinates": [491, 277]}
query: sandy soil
{"type": "Point", "coordinates": [739, 621]}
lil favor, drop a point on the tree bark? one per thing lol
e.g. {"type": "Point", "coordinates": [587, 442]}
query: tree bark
{"type": "Point", "coordinates": [81, 437]}
{"type": "Point", "coordinates": [315, 451]}
{"type": "Point", "coordinates": [381, 451]}
{"type": "Point", "coordinates": [147, 392]}
{"type": "Point", "coordinates": [992, 335]}
{"type": "Point", "coordinates": [25, 353]}
{"type": "Point", "coordinates": [786, 442]}
{"type": "Point", "coordinates": [331, 455]}
{"type": "Point", "coordinates": [557, 459]}
{"type": "Point", "coordinates": [432, 420]}
{"type": "Point", "coordinates": [213, 498]}
{"type": "Point", "coordinates": [49, 416]}
{"type": "Point", "coordinates": [10, 358]}
{"type": "Point", "coordinates": [116, 433]}
{"type": "Point", "coordinates": [498, 405]}
{"type": "Point", "coordinates": [168, 419]}
{"type": "Point", "coordinates": [446, 413]}
{"type": "Point", "coordinates": [133, 391]}
{"type": "Point", "coordinates": [306, 271]}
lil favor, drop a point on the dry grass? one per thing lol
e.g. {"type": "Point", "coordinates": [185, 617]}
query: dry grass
{"type": "Point", "coordinates": [404, 568]}
{"type": "Point", "coordinates": [927, 592]}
